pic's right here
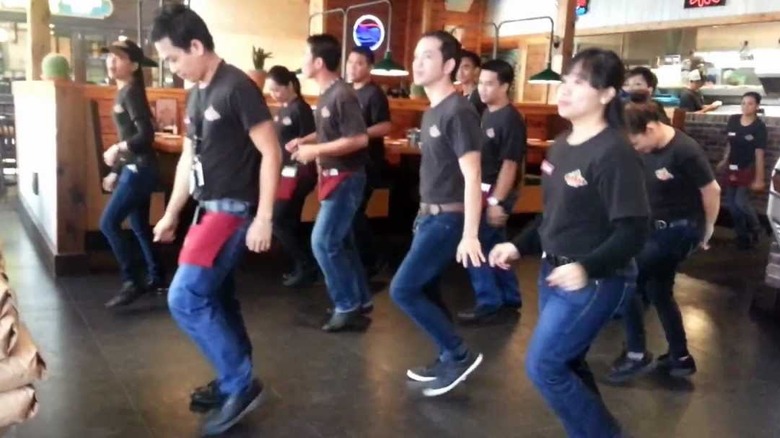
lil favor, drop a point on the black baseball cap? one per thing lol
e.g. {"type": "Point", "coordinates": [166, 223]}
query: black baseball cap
{"type": "Point", "coordinates": [130, 49]}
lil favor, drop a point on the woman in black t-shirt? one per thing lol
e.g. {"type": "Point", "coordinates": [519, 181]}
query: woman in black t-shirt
{"type": "Point", "coordinates": [295, 119]}
{"type": "Point", "coordinates": [134, 172]}
{"type": "Point", "coordinates": [595, 221]}
{"type": "Point", "coordinates": [743, 163]}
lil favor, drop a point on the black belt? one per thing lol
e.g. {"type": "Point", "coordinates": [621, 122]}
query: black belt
{"type": "Point", "coordinates": [662, 224]}
{"type": "Point", "coordinates": [434, 209]}
{"type": "Point", "coordinates": [558, 260]}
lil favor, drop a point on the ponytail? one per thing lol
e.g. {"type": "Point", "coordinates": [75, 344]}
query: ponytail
{"type": "Point", "coordinates": [296, 84]}
{"type": "Point", "coordinates": [282, 76]}
{"type": "Point", "coordinates": [614, 113]}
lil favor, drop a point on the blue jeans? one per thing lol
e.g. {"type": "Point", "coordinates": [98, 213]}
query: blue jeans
{"type": "Point", "coordinates": [555, 363]}
{"type": "Point", "coordinates": [203, 303]}
{"type": "Point", "coordinates": [662, 254]}
{"type": "Point", "coordinates": [333, 244]}
{"type": "Point", "coordinates": [743, 213]}
{"type": "Point", "coordinates": [131, 198]}
{"type": "Point", "coordinates": [494, 287]}
{"type": "Point", "coordinates": [414, 286]}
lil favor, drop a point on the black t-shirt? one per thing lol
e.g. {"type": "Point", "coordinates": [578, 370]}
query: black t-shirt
{"type": "Point", "coordinates": [504, 138]}
{"type": "Point", "coordinates": [477, 101]}
{"type": "Point", "coordinates": [449, 131]}
{"type": "Point", "coordinates": [674, 176]}
{"type": "Point", "coordinates": [294, 120]}
{"type": "Point", "coordinates": [221, 116]}
{"type": "Point", "coordinates": [133, 120]}
{"type": "Point", "coordinates": [585, 188]}
{"type": "Point", "coordinates": [376, 109]}
{"type": "Point", "coordinates": [691, 101]}
{"type": "Point", "coordinates": [744, 140]}
{"type": "Point", "coordinates": [339, 115]}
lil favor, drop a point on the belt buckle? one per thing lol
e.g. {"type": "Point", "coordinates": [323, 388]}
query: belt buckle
{"type": "Point", "coordinates": [435, 209]}
{"type": "Point", "coordinates": [661, 225]}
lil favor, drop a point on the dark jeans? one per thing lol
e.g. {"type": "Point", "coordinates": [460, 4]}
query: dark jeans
{"type": "Point", "coordinates": [658, 262]}
{"type": "Point", "coordinates": [743, 213]}
{"type": "Point", "coordinates": [555, 362]}
{"type": "Point", "coordinates": [494, 287]}
{"type": "Point", "coordinates": [131, 199]}
{"type": "Point", "coordinates": [364, 236]}
{"type": "Point", "coordinates": [415, 285]}
{"type": "Point", "coordinates": [333, 244]}
{"type": "Point", "coordinates": [287, 223]}
{"type": "Point", "coordinates": [203, 303]}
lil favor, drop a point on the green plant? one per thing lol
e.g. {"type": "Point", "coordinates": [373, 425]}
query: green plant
{"type": "Point", "coordinates": [55, 66]}
{"type": "Point", "coordinates": [259, 56]}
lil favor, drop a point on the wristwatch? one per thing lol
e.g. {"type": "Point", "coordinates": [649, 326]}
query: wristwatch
{"type": "Point", "coordinates": [492, 201]}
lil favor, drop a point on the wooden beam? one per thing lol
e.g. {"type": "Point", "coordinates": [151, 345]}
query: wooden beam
{"type": "Point", "coordinates": [679, 24]}
{"type": "Point", "coordinates": [565, 30]}
{"type": "Point", "coordinates": [38, 36]}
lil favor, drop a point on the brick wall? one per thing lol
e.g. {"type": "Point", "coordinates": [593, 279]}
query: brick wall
{"type": "Point", "coordinates": [709, 131]}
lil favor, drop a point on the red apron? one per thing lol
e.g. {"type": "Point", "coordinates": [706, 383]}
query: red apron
{"type": "Point", "coordinates": [737, 177]}
{"type": "Point", "coordinates": [287, 183]}
{"type": "Point", "coordinates": [329, 181]}
{"type": "Point", "coordinates": [205, 239]}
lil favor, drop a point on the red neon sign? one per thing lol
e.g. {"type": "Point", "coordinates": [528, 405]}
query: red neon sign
{"type": "Point", "coordinates": [695, 4]}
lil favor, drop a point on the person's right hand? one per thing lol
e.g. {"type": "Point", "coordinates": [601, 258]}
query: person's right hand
{"type": "Point", "coordinates": [111, 155]}
{"type": "Point", "coordinates": [109, 182]}
{"type": "Point", "coordinates": [165, 230]}
{"type": "Point", "coordinates": [503, 254]}
{"type": "Point", "coordinates": [292, 145]}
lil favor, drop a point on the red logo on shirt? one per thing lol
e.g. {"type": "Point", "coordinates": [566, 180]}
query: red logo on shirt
{"type": "Point", "coordinates": [547, 167]}
{"type": "Point", "coordinates": [575, 179]}
{"type": "Point", "coordinates": [663, 174]}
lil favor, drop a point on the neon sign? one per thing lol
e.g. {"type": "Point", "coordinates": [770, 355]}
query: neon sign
{"type": "Point", "coordinates": [368, 31]}
{"type": "Point", "coordinates": [583, 6]}
{"type": "Point", "coordinates": [97, 9]}
{"type": "Point", "coordinates": [696, 4]}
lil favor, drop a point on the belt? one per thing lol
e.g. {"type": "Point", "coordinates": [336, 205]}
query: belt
{"type": "Point", "coordinates": [558, 260]}
{"type": "Point", "coordinates": [434, 209]}
{"type": "Point", "coordinates": [232, 206]}
{"type": "Point", "coordinates": [662, 224]}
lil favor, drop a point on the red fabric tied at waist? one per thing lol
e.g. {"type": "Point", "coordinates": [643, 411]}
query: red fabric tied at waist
{"type": "Point", "coordinates": [740, 177]}
{"type": "Point", "coordinates": [486, 190]}
{"type": "Point", "coordinates": [205, 239]}
{"type": "Point", "coordinates": [329, 181]}
{"type": "Point", "coordinates": [287, 183]}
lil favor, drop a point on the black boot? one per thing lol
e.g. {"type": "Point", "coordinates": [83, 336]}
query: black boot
{"type": "Point", "coordinates": [304, 275]}
{"type": "Point", "coordinates": [128, 294]}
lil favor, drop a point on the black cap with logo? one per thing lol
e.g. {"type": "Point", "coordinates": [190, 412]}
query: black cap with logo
{"type": "Point", "coordinates": [131, 50]}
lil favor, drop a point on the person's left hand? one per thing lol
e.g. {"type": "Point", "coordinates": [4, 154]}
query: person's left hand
{"type": "Point", "coordinates": [470, 252]}
{"type": "Point", "coordinates": [305, 153]}
{"type": "Point", "coordinates": [758, 186]}
{"type": "Point", "coordinates": [496, 216]}
{"type": "Point", "coordinates": [569, 277]}
{"type": "Point", "coordinates": [258, 237]}
{"type": "Point", "coordinates": [111, 155]}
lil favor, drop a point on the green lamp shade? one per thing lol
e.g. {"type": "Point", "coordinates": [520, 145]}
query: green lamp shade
{"type": "Point", "coordinates": [546, 76]}
{"type": "Point", "coordinates": [388, 67]}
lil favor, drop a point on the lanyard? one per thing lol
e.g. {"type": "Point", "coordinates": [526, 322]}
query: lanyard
{"type": "Point", "coordinates": [197, 122]}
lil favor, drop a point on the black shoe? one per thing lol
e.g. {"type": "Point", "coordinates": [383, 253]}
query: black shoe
{"type": "Point", "coordinates": [303, 277]}
{"type": "Point", "coordinates": [156, 285]}
{"type": "Point", "coordinates": [233, 409]}
{"type": "Point", "coordinates": [128, 294]}
{"type": "Point", "coordinates": [682, 367]}
{"type": "Point", "coordinates": [451, 373]}
{"type": "Point", "coordinates": [513, 306]}
{"type": "Point", "coordinates": [478, 315]}
{"type": "Point", "coordinates": [424, 373]}
{"type": "Point", "coordinates": [340, 321]}
{"type": "Point", "coordinates": [206, 398]}
{"type": "Point", "coordinates": [365, 309]}
{"type": "Point", "coordinates": [625, 368]}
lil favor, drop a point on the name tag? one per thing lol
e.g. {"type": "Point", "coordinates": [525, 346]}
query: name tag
{"type": "Point", "coordinates": [733, 167]}
{"type": "Point", "coordinates": [289, 171]}
{"type": "Point", "coordinates": [196, 175]}
{"type": "Point", "coordinates": [486, 188]}
{"type": "Point", "coordinates": [330, 172]}
{"type": "Point", "coordinates": [732, 134]}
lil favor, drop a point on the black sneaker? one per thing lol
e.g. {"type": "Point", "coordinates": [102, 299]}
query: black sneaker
{"type": "Point", "coordinates": [156, 285]}
{"type": "Point", "coordinates": [128, 294]}
{"type": "Point", "coordinates": [478, 315]}
{"type": "Point", "coordinates": [451, 373]}
{"type": "Point", "coordinates": [424, 373]}
{"type": "Point", "coordinates": [682, 367]}
{"type": "Point", "coordinates": [625, 368]}
{"type": "Point", "coordinates": [206, 398]}
{"type": "Point", "coordinates": [341, 321]}
{"type": "Point", "coordinates": [365, 309]}
{"type": "Point", "coordinates": [233, 409]}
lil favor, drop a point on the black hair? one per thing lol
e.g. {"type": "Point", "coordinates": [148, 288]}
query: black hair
{"type": "Point", "coordinates": [475, 59]}
{"type": "Point", "coordinates": [504, 71]}
{"type": "Point", "coordinates": [603, 69]}
{"type": "Point", "coordinates": [138, 77]}
{"type": "Point", "coordinates": [639, 114]}
{"type": "Point", "coordinates": [754, 95]}
{"type": "Point", "coordinates": [650, 78]}
{"type": "Point", "coordinates": [327, 48]}
{"type": "Point", "coordinates": [450, 48]}
{"type": "Point", "coordinates": [181, 25]}
{"type": "Point", "coordinates": [282, 76]}
{"type": "Point", "coordinates": [366, 52]}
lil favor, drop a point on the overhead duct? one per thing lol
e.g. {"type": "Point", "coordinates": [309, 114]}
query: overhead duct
{"type": "Point", "coordinates": [458, 5]}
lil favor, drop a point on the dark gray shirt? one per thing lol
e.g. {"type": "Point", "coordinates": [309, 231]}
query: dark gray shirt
{"type": "Point", "coordinates": [691, 101]}
{"type": "Point", "coordinates": [133, 120]}
{"type": "Point", "coordinates": [504, 138]}
{"type": "Point", "coordinates": [449, 131]}
{"type": "Point", "coordinates": [376, 109]}
{"type": "Point", "coordinates": [339, 115]}
{"type": "Point", "coordinates": [294, 120]}
{"type": "Point", "coordinates": [477, 101]}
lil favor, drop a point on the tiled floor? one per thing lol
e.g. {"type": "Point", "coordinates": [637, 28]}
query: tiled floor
{"type": "Point", "coordinates": [129, 373]}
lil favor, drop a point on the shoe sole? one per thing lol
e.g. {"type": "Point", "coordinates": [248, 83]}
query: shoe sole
{"type": "Point", "coordinates": [625, 378]}
{"type": "Point", "coordinates": [249, 408]}
{"type": "Point", "coordinates": [434, 392]}
{"type": "Point", "coordinates": [681, 373]}
{"type": "Point", "coordinates": [418, 378]}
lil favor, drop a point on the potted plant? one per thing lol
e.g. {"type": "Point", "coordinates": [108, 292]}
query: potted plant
{"type": "Point", "coordinates": [55, 67]}
{"type": "Point", "coordinates": [258, 59]}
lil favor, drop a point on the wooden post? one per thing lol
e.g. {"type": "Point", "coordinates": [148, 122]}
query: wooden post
{"type": "Point", "coordinates": [38, 36]}
{"type": "Point", "coordinates": [565, 30]}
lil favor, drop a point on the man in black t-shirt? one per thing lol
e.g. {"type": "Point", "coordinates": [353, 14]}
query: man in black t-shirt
{"type": "Point", "coordinates": [228, 122]}
{"type": "Point", "coordinates": [684, 202]}
{"type": "Point", "coordinates": [376, 114]}
{"type": "Point", "coordinates": [468, 76]}
{"type": "Point", "coordinates": [691, 99]}
{"type": "Point", "coordinates": [447, 224]}
{"type": "Point", "coordinates": [339, 146]}
{"type": "Point", "coordinates": [503, 149]}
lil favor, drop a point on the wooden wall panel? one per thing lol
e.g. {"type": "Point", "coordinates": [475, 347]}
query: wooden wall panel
{"type": "Point", "coordinates": [441, 18]}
